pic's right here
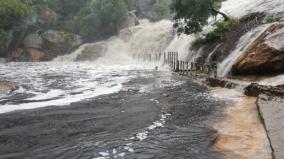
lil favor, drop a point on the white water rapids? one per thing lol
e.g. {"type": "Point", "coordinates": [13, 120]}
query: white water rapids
{"type": "Point", "coordinates": [44, 82]}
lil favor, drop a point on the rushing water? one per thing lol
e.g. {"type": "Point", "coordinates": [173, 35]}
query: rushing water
{"type": "Point", "coordinates": [80, 110]}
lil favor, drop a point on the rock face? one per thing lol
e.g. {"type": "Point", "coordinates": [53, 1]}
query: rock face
{"type": "Point", "coordinates": [92, 52]}
{"type": "Point", "coordinates": [272, 113]}
{"type": "Point", "coordinates": [265, 55]}
{"type": "Point", "coordinates": [35, 55]}
{"type": "Point", "coordinates": [255, 90]}
{"type": "Point", "coordinates": [33, 41]}
{"type": "Point", "coordinates": [62, 38]}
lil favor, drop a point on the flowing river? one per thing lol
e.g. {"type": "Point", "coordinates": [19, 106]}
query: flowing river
{"type": "Point", "coordinates": [79, 110]}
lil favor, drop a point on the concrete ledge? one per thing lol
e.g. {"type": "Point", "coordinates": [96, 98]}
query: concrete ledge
{"type": "Point", "coordinates": [271, 110]}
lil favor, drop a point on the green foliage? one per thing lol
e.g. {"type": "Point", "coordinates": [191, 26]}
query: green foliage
{"type": "Point", "coordinates": [270, 18]}
{"type": "Point", "coordinates": [221, 27]}
{"type": "Point", "coordinates": [13, 13]}
{"type": "Point", "coordinates": [192, 15]}
{"type": "Point", "coordinates": [160, 9]}
{"type": "Point", "coordinates": [197, 42]}
{"type": "Point", "coordinates": [102, 17]}
{"type": "Point", "coordinates": [5, 39]}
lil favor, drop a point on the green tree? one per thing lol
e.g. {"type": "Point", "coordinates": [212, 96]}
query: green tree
{"type": "Point", "coordinates": [102, 17]}
{"type": "Point", "coordinates": [14, 15]}
{"type": "Point", "coordinates": [160, 9]}
{"type": "Point", "coordinates": [192, 15]}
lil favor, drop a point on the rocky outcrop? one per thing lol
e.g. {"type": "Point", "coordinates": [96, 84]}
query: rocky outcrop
{"type": "Point", "coordinates": [265, 55]}
{"type": "Point", "coordinates": [255, 90]}
{"type": "Point", "coordinates": [62, 38]}
{"type": "Point", "coordinates": [35, 55]}
{"type": "Point", "coordinates": [216, 82]}
{"type": "Point", "coordinates": [92, 52]}
{"type": "Point", "coordinates": [33, 41]}
{"type": "Point", "coordinates": [45, 46]}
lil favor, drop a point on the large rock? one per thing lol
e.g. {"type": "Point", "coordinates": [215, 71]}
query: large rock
{"type": "Point", "coordinates": [33, 41]}
{"type": "Point", "coordinates": [35, 55]}
{"type": "Point", "coordinates": [92, 52]}
{"type": "Point", "coordinates": [255, 90]}
{"type": "Point", "coordinates": [62, 38]}
{"type": "Point", "coordinates": [18, 55]}
{"type": "Point", "coordinates": [265, 55]}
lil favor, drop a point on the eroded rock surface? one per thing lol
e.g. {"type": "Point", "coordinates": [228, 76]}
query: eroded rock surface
{"type": "Point", "coordinates": [265, 55]}
{"type": "Point", "coordinates": [255, 90]}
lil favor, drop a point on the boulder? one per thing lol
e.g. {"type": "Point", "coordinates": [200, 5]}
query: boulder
{"type": "Point", "coordinates": [265, 55]}
{"type": "Point", "coordinates": [216, 82]}
{"type": "Point", "coordinates": [33, 41]}
{"type": "Point", "coordinates": [62, 38]}
{"type": "Point", "coordinates": [18, 55]}
{"type": "Point", "coordinates": [92, 52]}
{"type": "Point", "coordinates": [255, 90]}
{"type": "Point", "coordinates": [35, 55]}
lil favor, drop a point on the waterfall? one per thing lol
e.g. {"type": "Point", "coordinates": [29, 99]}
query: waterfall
{"type": "Point", "coordinates": [145, 38]}
{"type": "Point", "coordinates": [245, 41]}
{"type": "Point", "coordinates": [209, 58]}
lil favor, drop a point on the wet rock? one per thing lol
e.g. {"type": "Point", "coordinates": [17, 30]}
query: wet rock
{"type": "Point", "coordinates": [265, 55]}
{"type": "Point", "coordinates": [62, 38]}
{"type": "Point", "coordinates": [18, 55]}
{"type": "Point", "coordinates": [7, 87]}
{"type": "Point", "coordinates": [92, 52]}
{"type": "Point", "coordinates": [33, 41]}
{"type": "Point", "coordinates": [255, 90]}
{"type": "Point", "coordinates": [216, 82]}
{"type": "Point", "coordinates": [35, 55]}
{"type": "Point", "coordinates": [4, 60]}
{"type": "Point", "coordinates": [272, 113]}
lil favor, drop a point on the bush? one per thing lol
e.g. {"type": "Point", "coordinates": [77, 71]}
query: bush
{"type": "Point", "coordinates": [197, 42]}
{"type": "Point", "coordinates": [102, 18]}
{"type": "Point", "coordinates": [270, 18]}
{"type": "Point", "coordinates": [160, 9]}
{"type": "Point", "coordinates": [220, 28]}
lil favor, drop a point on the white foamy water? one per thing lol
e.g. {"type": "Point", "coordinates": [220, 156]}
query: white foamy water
{"type": "Point", "coordinates": [60, 84]}
{"type": "Point", "coordinates": [245, 41]}
{"type": "Point", "coordinates": [146, 38]}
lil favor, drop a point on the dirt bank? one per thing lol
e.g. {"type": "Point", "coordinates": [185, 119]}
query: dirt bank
{"type": "Point", "coordinates": [241, 135]}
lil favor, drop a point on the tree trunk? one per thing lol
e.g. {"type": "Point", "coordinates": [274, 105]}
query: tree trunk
{"type": "Point", "coordinates": [221, 13]}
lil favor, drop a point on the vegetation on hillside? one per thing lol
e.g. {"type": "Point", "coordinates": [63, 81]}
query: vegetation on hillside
{"type": "Point", "coordinates": [192, 15]}
{"type": "Point", "coordinates": [89, 18]}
